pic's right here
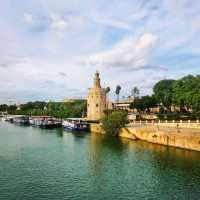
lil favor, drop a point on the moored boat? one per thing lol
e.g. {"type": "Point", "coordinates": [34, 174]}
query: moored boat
{"type": "Point", "coordinates": [51, 123]}
{"type": "Point", "coordinates": [75, 124]}
{"type": "Point", "coordinates": [21, 120]}
{"type": "Point", "coordinates": [45, 122]}
{"type": "Point", "coordinates": [9, 119]}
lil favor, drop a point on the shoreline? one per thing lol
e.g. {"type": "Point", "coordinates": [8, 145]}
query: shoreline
{"type": "Point", "coordinates": [184, 138]}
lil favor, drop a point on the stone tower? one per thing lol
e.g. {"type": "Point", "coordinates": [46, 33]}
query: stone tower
{"type": "Point", "coordinates": [96, 100]}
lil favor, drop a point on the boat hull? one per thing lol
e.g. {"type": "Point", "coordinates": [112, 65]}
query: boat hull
{"type": "Point", "coordinates": [22, 123]}
{"type": "Point", "coordinates": [49, 126]}
{"type": "Point", "coordinates": [69, 128]}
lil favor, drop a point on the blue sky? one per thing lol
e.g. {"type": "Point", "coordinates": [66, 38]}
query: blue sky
{"type": "Point", "coordinates": [50, 49]}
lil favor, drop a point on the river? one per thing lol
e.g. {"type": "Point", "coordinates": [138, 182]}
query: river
{"type": "Point", "coordinates": [38, 164]}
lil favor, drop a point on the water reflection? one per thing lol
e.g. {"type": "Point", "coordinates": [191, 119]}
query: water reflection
{"type": "Point", "coordinates": [152, 168]}
{"type": "Point", "coordinates": [163, 152]}
{"type": "Point", "coordinates": [59, 132]}
{"type": "Point", "coordinates": [104, 152]}
{"type": "Point", "coordinates": [158, 156]}
{"type": "Point", "coordinates": [64, 165]}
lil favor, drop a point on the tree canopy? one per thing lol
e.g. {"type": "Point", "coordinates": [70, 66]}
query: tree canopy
{"type": "Point", "coordinates": [144, 103]}
{"type": "Point", "coordinates": [163, 91]}
{"type": "Point", "coordinates": [107, 90]}
{"type": "Point", "coordinates": [112, 122]}
{"type": "Point", "coordinates": [183, 93]}
{"type": "Point", "coordinates": [56, 109]}
{"type": "Point", "coordinates": [117, 91]}
{"type": "Point", "coordinates": [135, 92]}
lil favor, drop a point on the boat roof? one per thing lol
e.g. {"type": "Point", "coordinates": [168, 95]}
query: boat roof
{"type": "Point", "coordinates": [83, 119]}
{"type": "Point", "coordinates": [40, 116]}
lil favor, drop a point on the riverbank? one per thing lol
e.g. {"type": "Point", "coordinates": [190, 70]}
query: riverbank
{"type": "Point", "coordinates": [181, 137]}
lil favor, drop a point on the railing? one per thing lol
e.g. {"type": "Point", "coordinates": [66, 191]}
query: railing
{"type": "Point", "coordinates": [167, 123]}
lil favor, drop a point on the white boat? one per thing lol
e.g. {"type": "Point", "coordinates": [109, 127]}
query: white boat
{"type": "Point", "coordinates": [75, 124]}
{"type": "Point", "coordinates": [44, 122]}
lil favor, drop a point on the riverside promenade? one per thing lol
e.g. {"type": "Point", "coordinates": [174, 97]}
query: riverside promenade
{"type": "Point", "coordinates": [181, 134]}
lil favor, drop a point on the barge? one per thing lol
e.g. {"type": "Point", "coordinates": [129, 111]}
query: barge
{"type": "Point", "coordinates": [75, 124]}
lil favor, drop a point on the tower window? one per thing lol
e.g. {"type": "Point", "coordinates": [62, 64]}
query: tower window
{"type": "Point", "coordinates": [97, 105]}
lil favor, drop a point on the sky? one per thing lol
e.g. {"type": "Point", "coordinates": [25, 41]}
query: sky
{"type": "Point", "coordinates": [50, 49]}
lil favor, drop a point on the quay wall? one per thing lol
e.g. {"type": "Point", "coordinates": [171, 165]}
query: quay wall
{"type": "Point", "coordinates": [186, 138]}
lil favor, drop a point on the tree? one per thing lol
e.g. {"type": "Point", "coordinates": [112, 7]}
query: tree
{"type": "Point", "coordinates": [117, 91]}
{"type": "Point", "coordinates": [112, 122]}
{"type": "Point", "coordinates": [4, 107]}
{"type": "Point", "coordinates": [183, 93]}
{"type": "Point", "coordinates": [186, 93]}
{"type": "Point", "coordinates": [163, 91]}
{"type": "Point", "coordinates": [149, 102]}
{"type": "Point", "coordinates": [12, 109]}
{"type": "Point", "coordinates": [107, 90]}
{"type": "Point", "coordinates": [55, 109]}
{"type": "Point", "coordinates": [144, 103]}
{"type": "Point", "coordinates": [135, 92]}
{"type": "Point", "coordinates": [137, 104]}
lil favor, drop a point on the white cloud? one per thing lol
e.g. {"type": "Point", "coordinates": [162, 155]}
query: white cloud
{"type": "Point", "coordinates": [127, 53]}
{"type": "Point", "coordinates": [28, 18]}
{"type": "Point", "coordinates": [59, 24]}
{"type": "Point", "coordinates": [53, 34]}
{"type": "Point", "coordinates": [109, 21]}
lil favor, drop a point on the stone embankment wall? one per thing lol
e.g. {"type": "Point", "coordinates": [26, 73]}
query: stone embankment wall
{"type": "Point", "coordinates": [187, 138]}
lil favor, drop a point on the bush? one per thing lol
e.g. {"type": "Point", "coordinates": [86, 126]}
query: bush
{"type": "Point", "coordinates": [112, 122]}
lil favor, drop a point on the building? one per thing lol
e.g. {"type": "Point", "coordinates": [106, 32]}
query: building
{"type": "Point", "coordinates": [124, 104]}
{"type": "Point", "coordinates": [72, 99]}
{"type": "Point", "coordinates": [96, 100]}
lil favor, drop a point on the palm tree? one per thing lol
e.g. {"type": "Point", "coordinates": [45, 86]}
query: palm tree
{"type": "Point", "coordinates": [107, 90]}
{"type": "Point", "coordinates": [135, 92]}
{"type": "Point", "coordinates": [117, 92]}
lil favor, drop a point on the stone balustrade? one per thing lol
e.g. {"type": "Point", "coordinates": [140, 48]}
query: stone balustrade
{"type": "Point", "coordinates": [167, 123]}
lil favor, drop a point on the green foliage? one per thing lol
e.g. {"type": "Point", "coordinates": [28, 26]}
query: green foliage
{"type": "Point", "coordinates": [112, 122]}
{"type": "Point", "coordinates": [8, 108]}
{"type": "Point", "coordinates": [183, 94]}
{"type": "Point", "coordinates": [118, 88]}
{"type": "Point", "coordinates": [55, 109]}
{"type": "Point", "coordinates": [135, 92]}
{"type": "Point", "coordinates": [107, 90]}
{"type": "Point", "coordinates": [144, 103]}
{"type": "Point", "coordinates": [187, 93]}
{"type": "Point", "coordinates": [163, 91]}
{"type": "Point", "coordinates": [4, 107]}
{"type": "Point", "coordinates": [117, 91]}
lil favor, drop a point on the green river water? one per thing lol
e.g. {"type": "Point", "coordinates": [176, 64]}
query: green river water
{"type": "Point", "coordinates": [38, 164]}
